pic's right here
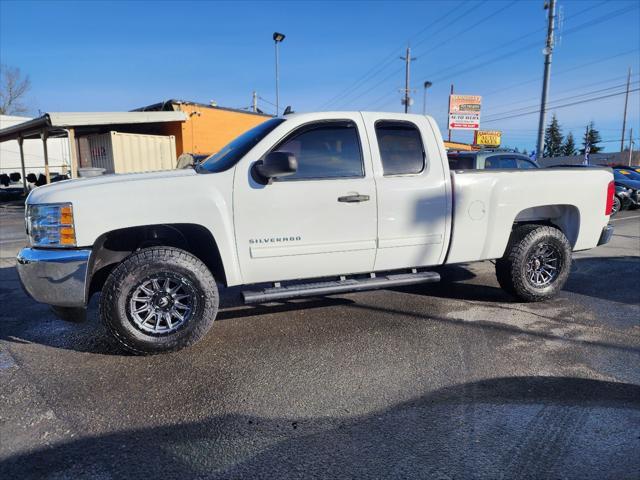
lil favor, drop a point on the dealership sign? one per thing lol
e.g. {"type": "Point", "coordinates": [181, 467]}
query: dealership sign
{"type": "Point", "coordinates": [464, 112]}
{"type": "Point", "coordinates": [488, 138]}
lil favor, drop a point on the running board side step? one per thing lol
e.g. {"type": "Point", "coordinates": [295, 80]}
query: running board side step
{"type": "Point", "coordinates": [338, 286]}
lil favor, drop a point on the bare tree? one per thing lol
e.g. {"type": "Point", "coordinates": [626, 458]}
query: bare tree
{"type": "Point", "coordinates": [13, 88]}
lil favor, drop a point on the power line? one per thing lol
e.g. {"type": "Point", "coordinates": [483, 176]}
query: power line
{"type": "Point", "coordinates": [556, 74]}
{"type": "Point", "coordinates": [266, 101]}
{"type": "Point", "coordinates": [600, 82]}
{"type": "Point", "coordinates": [533, 45]}
{"type": "Point", "coordinates": [461, 15]}
{"type": "Point", "coordinates": [464, 29]}
{"type": "Point", "coordinates": [556, 107]}
{"type": "Point", "coordinates": [561, 72]}
{"type": "Point", "coordinates": [426, 52]}
{"type": "Point", "coordinates": [505, 44]}
{"type": "Point", "coordinates": [607, 89]}
{"type": "Point", "coordinates": [388, 60]}
{"type": "Point", "coordinates": [527, 47]}
{"type": "Point", "coordinates": [517, 39]}
{"type": "Point", "coordinates": [450, 38]}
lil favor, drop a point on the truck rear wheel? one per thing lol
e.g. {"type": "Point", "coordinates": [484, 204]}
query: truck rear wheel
{"type": "Point", "coordinates": [536, 263]}
{"type": "Point", "coordinates": [159, 299]}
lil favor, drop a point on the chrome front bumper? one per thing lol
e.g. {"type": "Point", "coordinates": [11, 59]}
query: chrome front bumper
{"type": "Point", "coordinates": [55, 277]}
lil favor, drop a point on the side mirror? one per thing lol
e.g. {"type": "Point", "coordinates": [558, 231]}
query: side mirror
{"type": "Point", "coordinates": [276, 164]}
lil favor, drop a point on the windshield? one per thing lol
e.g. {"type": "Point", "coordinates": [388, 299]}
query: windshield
{"type": "Point", "coordinates": [231, 153]}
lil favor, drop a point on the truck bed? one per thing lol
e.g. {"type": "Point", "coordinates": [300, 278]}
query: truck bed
{"type": "Point", "coordinates": [486, 203]}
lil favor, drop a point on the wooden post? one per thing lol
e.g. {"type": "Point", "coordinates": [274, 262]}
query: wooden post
{"type": "Point", "coordinates": [47, 174]}
{"type": "Point", "coordinates": [24, 175]}
{"type": "Point", "coordinates": [73, 153]}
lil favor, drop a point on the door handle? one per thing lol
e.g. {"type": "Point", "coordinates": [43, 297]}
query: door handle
{"type": "Point", "coordinates": [354, 198]}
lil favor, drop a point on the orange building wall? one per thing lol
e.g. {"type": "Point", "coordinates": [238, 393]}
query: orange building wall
{"type": "Point", "coordinates": [207, 130]}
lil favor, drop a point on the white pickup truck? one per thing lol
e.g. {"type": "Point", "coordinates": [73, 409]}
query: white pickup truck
{"type": "Point", "coordinates": [312, 204]}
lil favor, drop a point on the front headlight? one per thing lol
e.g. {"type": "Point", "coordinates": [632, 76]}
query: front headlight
{"type": "Point", "coordinates": [51, 225]}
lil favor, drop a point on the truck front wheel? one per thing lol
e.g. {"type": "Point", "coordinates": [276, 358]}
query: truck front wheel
{"type": "Point", "coordinates": [536, 263]}
{"type": "Point", "coordinates": [159, 299]}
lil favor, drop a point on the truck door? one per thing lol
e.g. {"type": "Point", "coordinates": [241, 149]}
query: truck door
{"type": "Point", "coordinates": [319, 221]}
{"type": "Point", "coordinates": [413, 191]}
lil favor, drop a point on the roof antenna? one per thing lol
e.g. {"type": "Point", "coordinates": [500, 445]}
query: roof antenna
{"type": "Point", "coordinates": [288, 110]}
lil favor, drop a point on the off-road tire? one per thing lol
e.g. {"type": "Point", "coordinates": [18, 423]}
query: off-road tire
{"type": "Point", "coordinates": [511, 269]}
{"type": "Point", "coordinates": [134, 269]}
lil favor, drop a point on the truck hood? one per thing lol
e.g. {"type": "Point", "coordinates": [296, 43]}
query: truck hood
{"type": "Point", "coordinates": [113, 202]}
{"type": "Point", "coordinates": [71, 188]}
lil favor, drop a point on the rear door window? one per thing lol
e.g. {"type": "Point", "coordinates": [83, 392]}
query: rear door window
{"type": "Point", "coordinates": [401, 149]}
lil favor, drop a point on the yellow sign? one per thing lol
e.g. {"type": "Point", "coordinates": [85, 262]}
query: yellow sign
{"type": "Point", "coordinates": [489, 138]}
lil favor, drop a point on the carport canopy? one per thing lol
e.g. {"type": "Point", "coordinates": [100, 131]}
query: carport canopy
{"type": "Point", "coordinates": [71, 124]}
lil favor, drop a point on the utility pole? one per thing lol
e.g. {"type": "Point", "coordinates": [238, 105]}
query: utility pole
{"type": "Point", "coordinates": [630, 145]}
{"type": "Point", "coordinates": [548, 51]}
{"type": "Point", "coordinates": [407, 89]}
{"type": "Point", "coordinates": [624, 115]}
{"type": "Point", "coordinates": [254, 101]}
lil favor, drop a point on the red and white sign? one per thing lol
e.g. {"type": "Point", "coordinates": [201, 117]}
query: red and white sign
{"type": "Point", "coordinates": [464, 112]}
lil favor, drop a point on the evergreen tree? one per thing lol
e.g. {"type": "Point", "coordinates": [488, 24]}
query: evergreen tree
{"type": "Point", "coordinates": [592, 138]}
{"type": "Point", "coordinates": [553, 139]}
{"type": "Point", "coordinates": [516, 150]}
{"type": "Point", "coordinates": [569, 147]}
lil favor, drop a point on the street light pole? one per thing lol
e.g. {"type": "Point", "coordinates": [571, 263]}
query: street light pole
{"type": "Point", "coordinates": [277, 38]}
{"type": "Point", "coordinates": [424, 99]}
{"type": "Point", "coordinates": [548, 50]}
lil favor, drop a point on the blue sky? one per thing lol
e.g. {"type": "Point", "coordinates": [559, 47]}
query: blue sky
{"type": "Point", "coordinates": [104, 56]}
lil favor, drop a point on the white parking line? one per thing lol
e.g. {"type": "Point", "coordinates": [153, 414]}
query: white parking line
{"type": "Point", "coordinates": [625, 218]}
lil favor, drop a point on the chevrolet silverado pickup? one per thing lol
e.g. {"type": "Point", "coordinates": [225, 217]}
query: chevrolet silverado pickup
{"type": "Point", "coordinates": [302, 205]}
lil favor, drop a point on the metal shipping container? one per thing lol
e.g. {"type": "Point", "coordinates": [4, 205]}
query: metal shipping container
{"type": "Point", "coordinates": [131, 152]}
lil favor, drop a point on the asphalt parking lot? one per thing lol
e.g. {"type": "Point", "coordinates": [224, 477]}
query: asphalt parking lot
{"type": "Point", "coordinates": [447, 381]}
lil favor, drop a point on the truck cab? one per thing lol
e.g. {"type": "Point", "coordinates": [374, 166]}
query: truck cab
{"type": "Point", "coordinates": [361, 199]}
